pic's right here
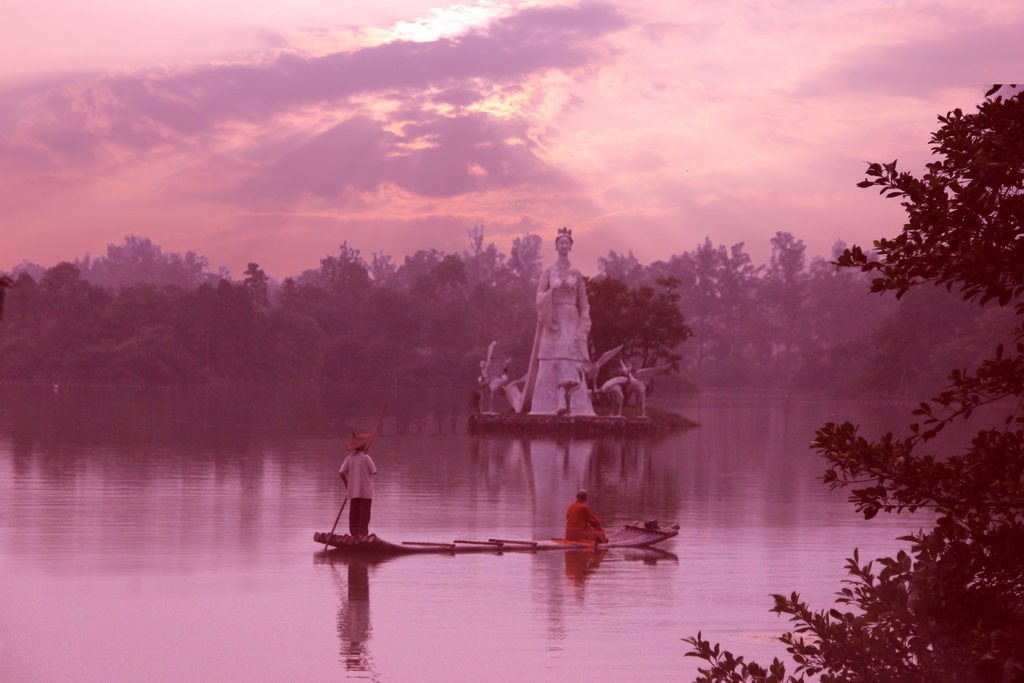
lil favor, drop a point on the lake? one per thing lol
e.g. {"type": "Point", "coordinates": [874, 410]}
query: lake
{"type": "Point", "coordinates": [165, 534]}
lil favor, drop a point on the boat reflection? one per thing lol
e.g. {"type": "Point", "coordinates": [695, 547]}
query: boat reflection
{"type": "Point", "coordinates": [650, 556]}
{"type": "Point", "coordinates": [581, 564]}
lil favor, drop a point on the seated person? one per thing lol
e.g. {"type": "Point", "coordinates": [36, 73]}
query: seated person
{"type": "Point", "coordinates": [581, 524]}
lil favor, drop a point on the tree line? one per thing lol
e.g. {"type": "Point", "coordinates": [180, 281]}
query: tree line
{"type": "Point", "coordinates": [138, 314]}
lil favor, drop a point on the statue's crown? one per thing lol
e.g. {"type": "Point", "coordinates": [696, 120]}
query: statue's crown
{"type": "Point", "coordinates": [564, 232]}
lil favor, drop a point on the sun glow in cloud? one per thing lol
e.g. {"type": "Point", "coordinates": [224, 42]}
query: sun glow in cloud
{"type": "Point", "coordinates": [438, 23]}
{"type": "Point", "coordinates": [450, 22]}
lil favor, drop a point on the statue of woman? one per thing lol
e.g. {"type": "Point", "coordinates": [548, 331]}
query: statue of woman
{"type": "Point", "coordinates": [560, 354]}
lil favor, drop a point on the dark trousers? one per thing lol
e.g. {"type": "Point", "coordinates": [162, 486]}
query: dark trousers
{"type": "Point", "coordinates": [359, 516]}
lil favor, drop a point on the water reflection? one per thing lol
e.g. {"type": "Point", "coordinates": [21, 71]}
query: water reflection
{"type": "Point", "coordinates": [617, 471]}
{"type": "Point", "coordinates": [580, 564]}
{"type": "Point", "coordinates": [36, 417]}
{"type": "Point", "coordinates": [352, 578]}
{"type": "Point", "coordinates": [563, 577]}
{"type": "Point", "coordinates": [558, 469]}
{"type": "Point", "coordinates": [205, 499]}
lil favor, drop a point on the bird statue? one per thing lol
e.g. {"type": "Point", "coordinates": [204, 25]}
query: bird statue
{"type": "Point", "coordinates": [594, 368]}
{"type": "Point", "coordinates": [493, 376]}
{"type": "Point", "coordinates": [613, 389]}
{"type": "Point", "coordinates": [568, 386]}
{"type": "Point", "coordinates": [514, 393]}
{"type": "Point", "coordinates": [637, 382]}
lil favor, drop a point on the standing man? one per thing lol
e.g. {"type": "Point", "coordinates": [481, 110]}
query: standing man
{"type": "Point", "coordinates": [581, 524]}
{"type": "Point", "coordinates": [357, 474]}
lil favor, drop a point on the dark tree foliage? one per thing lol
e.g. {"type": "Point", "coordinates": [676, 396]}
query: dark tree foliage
{"type": "Point", "coordinates": [844, 325]}
{"type": "Point", "coordinates": [258, 285]}
{"type": "Point", "coordinates": [5, 283]}
{"type": "Point", "coordinates": [446, 280]}
{"type": "Point", "coordinates": [964, 214]}
{"type": "Point", "coordinates": [431, 319]}
{"type": "Point", "coordinates": [925, 338]}
{"type": "Point", "coordinates": [139, 261]}
{"type": "Point", "coordinates": [952, 609]}
{"type": "Point", "coordinates": [622, 267]}
{"type": "Point", "coordinates": [720, 297]}
{"type": "Point", "coordinates": [647, 322]}
{"type": "Point", "coordinates": [346, 273]}
{"type": "Point", "coordinates": [332, 324]}
{"type": "Point", "coordinates": [784, 297]}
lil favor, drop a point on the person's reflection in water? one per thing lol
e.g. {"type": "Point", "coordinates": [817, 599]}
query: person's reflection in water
{"type": "Point", "coordinates": [579, 564]}
{"type": "Point", "coordinates": [354, 618]}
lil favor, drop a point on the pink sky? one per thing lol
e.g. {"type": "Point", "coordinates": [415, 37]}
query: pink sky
{"type": "Point", "coordinates": [275, 131]}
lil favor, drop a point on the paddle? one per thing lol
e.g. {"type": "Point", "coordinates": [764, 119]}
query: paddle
{"type": "Point", "coordinates": [345, 502]}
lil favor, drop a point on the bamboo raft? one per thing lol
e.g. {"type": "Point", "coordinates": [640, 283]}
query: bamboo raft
{"type": "Point", "coordinates": [632, 535]}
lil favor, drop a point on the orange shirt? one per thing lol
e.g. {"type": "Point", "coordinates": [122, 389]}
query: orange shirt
{"type": "Point", "coordinates": [579, 518]}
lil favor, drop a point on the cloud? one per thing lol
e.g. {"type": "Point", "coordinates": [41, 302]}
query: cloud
{"type": "Point", "coordinates": [643, 125]}
{"type": "Point", "coordinates": [439, 157]}
{"type": "Point", "coordinates": [458, 97]}
{"type": "Point", "coordinates": [400, 129]}
{"type": "Point", "coordinates": [959, 54]}
{"type": "Point", "coordinates": [146, 110]}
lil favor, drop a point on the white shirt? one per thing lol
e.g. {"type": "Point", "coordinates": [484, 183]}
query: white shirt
{"type": "Point", "coordinates": [358, 468]}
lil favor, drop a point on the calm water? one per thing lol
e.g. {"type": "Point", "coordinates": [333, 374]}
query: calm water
{"type": "Point", "coordinates": [166, 535]}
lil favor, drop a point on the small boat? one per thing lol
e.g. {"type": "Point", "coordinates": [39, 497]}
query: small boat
{"type": "Point", "coordinates": [632, 535]}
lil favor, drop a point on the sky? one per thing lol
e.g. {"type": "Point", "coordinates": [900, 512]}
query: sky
{"type": "Point", "coordinates": [272, 131]}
